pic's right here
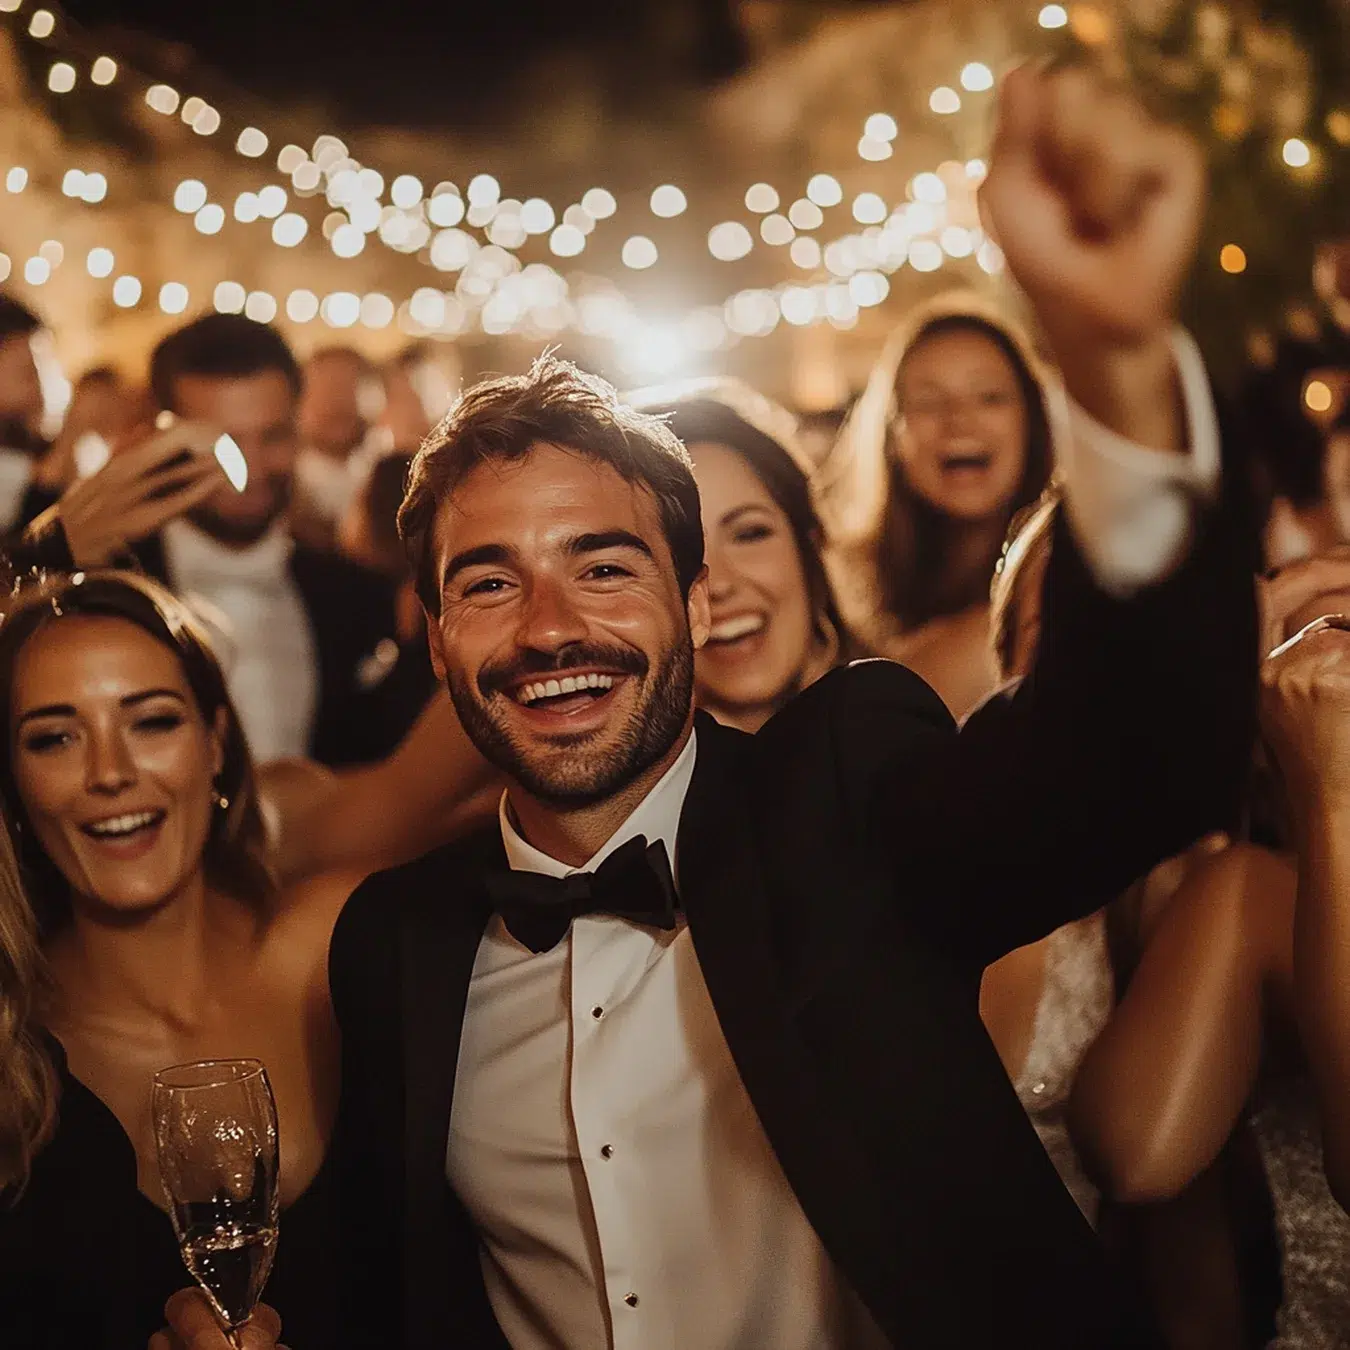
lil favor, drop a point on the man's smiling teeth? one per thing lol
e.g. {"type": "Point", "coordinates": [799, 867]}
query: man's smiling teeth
{"type": "Point", "coordinates": [741, 626]}
{"type": "Point", "coordinates": [532, 693]}
{"type": "Point", "coordinates": [121, 825]}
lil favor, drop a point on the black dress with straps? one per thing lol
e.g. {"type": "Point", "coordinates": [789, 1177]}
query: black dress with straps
{"type": "Point", "coordinates": [87, 1261]}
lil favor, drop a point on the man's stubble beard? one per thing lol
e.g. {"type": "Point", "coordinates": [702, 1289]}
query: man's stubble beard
{"type": "Point", "coordinates": [589, 777]}
{"type": "Point", "coordinates": [240, 533]}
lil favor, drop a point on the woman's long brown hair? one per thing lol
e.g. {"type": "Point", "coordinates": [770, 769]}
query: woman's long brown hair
{"type": "Point", "coordinates": [34, 895]}
{"type": "Point", "coordinates": [886, 545]}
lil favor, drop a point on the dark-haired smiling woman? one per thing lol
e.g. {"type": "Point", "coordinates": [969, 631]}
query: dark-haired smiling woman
{"type": "Point", "coordinates": [130, 804]}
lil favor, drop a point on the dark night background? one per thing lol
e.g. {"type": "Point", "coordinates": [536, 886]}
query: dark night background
{"type": "Point", "coordinates": [428, 63]}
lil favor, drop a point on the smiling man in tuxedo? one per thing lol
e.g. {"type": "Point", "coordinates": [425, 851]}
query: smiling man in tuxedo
{"type": "Point", "coordinates": [685, 1050]}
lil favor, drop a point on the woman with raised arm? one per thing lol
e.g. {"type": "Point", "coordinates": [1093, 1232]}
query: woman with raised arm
{"type": "Point", "coordinates": [146, 932]}
{"type": "Point", "coordinates": [1306, 715]}
{"type": "Point", "coordinates": [950, 439]}
{"type": "Point", "coordinates": [1219, 1024]}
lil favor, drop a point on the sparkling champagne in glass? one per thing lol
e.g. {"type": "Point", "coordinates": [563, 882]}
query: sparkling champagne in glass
{"type": "Point", "coordinates": [216, 1138]}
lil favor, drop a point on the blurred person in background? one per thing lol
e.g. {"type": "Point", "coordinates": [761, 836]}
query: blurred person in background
{"type": "Point", "coordinates": [368, 535]}
{"type": "Point", "coordinates": [949, 440]}
{"type": "Point", "coordinates": [152, 934]}
{"type": "Point", "coordinates": [416, 396]}
{"type": "Point", "coordinates": [1300, 468]}
{"type": "Point", "coordinates": [341, 399]}
{"type": "Point", "coordinates": [21, 412]}
{"type": "Point", "coordinates": [1204, 1257]}
{"type": "Point", "coordinates": [309, 639]}
{"type": "Point", "coordinates": [103, 417]}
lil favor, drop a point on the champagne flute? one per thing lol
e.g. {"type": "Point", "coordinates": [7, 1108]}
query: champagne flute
{"type": "Point", "coordinates": [216, 1139]}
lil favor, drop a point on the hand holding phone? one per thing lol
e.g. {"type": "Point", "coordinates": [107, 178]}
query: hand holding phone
{"type": "Point", "coordinates": [140, 490]}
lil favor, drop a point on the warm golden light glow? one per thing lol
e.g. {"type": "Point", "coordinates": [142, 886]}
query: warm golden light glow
{"type": "Point", "coordinates": [1232, 259]}
{"type": "Point", "coordinates": [1317, 396]}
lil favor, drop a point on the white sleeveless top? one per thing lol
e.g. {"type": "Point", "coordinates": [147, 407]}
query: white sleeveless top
{"type": "Point", "coordinates": [1077, 998]}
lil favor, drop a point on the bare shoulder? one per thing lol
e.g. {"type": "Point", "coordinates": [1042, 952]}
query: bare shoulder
{"type": "Point", "coordinates": [1239, 873]}
{"type": "Point", "coordinates": [305, 913]}
{"type": "Point", "coordinates": [954, 655]}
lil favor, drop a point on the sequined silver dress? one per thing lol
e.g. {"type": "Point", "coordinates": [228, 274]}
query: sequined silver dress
{"type": "Point", "coordinates": [1314, 1231]}
{"type": "Point", "coordinates": [1077, 997]}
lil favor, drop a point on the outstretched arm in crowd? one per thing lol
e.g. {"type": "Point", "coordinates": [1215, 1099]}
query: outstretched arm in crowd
{"type": "Point", "coordinates": [433, 787]}
{"type": "Point", "coordinates": [1159, 1093]}
{"type": "Point", "coordinates": [1128, 739]}
{"type": "Point", "coordinates": [1306, 715]}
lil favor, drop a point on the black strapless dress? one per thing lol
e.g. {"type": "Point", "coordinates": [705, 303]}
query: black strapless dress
{"type": "Point", "coordinates": [87, 1261]}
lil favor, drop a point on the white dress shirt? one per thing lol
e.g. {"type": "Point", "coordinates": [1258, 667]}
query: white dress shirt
{"type": "Point", "coordinates": [623, 1189]}
{"type": "Point", "coordinates": [249, 599]}
{"type": "Point", "coordinates": [16, 474]}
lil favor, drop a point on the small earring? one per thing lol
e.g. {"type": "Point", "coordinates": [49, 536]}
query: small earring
{"type": "Point", "coordinates": [219, 800]}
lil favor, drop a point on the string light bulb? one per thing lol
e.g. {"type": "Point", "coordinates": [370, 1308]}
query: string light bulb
{"type": "Point", "coordinates": [210, 218]}
{"type": "Point", "coordinates": [302, 306]}
{"type": "Point", "coordinates": [42, 24]}
{"type": "Point", "coordinates": [1296, 153]}
{"type": "Point", "coordinates": [639, 252]}
{"type": "Point", "coordinates": [599, 203]}
{"type": "Point", "coordinates": [260, 306]}
{"type": "Point", "coordinates": [100, 262]}
{"type": "Point", "coordinates": [668, 201]}
{"type": "Point", "coordinates": [824, 190]}
{"type": "Point", "coordinates": [1317, 396]}
{"type": "Point", "coordinates": [229, 297]}
{"type": "Point", "coordinates": [162, 98]}
{"type": "Point", "coordinates": [252, 143]}
{"type": "Point", "coordinates": [36, 271]}
{"type": "Point", "coordinates": [405, 192]}
{"type": "Point", "coordinates": [173, 297]}
{"type": "Point", "coordinates": [1232, 259]}
{"type": "Point", "coordinates": [944, 101]}
{"type": "Point", "coordinates": [127, 292]}
{"type": "Point", "coordinates": [61, 77]}
{"type": "Point", "coordinates": [1053, 16]}
{"type": "Point", "coordinates": [189, 196]}
{"type": "Point", "coordinates": [103, 71]}
{"type": "Point", "coordinates": [976, 77]}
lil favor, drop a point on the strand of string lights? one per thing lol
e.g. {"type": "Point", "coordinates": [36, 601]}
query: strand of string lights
{"type": "Point", "coordinates": [478, 234]}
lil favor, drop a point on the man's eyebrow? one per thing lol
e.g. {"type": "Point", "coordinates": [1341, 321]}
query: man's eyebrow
{"type": "Point", "coordinates": [602, 539]}
{"type": "Point", "coordinates": [473, 557]}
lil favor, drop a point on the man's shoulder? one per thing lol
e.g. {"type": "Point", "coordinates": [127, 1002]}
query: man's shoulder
{"type": "Point", "coordinates": [873, 700]}
{"type": "Point", "coordinates": [443, 876]}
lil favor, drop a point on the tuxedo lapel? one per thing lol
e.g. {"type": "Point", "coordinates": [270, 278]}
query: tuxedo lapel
{"type": "Point", "coordinates": [439, 942]}
{"type": "Point", "coordinates": [730, 913]}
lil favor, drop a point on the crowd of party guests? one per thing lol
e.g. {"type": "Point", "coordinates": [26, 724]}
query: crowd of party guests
{"type": "Point", "coordinates": [219, 715]}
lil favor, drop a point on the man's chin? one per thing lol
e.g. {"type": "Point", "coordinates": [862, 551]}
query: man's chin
{"type": "Point", "coordinates": [238, 533]}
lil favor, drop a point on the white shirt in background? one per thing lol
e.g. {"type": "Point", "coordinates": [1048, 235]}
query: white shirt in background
{"type": "Point", "coordinates": [267, 646]}
{"type": "Point", "coordinates": [16, 474]}
{"type": "Point", "coordinates": [623, 1189]}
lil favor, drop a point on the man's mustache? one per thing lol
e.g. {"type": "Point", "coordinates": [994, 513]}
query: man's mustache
{"type": "Point", "coordinates": [495, 679]}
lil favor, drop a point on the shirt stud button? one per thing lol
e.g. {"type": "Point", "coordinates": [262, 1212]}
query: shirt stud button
{"type": "Point", "coordinates": [607, 1151]}
{"type": "Point", "coordinates": [597, 1012]}
{"type": "Point", "coordinates": [631, 1299]}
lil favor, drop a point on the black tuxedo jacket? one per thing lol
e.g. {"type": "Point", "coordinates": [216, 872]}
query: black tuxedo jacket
{"type": "Point", "coordinates": [370, 687]}
{"type": "Point", "coordinates": [847, 874]}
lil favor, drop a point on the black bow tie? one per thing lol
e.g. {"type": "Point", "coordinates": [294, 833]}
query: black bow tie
{"type": "Point", "coordinates": [633, 883]}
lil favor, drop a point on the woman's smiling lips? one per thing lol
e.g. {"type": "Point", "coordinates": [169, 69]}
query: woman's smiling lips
{"type": "Point", "coordinates": [126, 835]}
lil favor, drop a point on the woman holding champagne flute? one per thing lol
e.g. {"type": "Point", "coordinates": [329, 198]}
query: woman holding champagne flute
{"type": "Point", "coordinates": [141, 930]}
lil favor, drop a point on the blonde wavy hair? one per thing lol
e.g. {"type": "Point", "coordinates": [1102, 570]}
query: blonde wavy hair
{"type": "Point", "coordinates": [28, 1087]}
